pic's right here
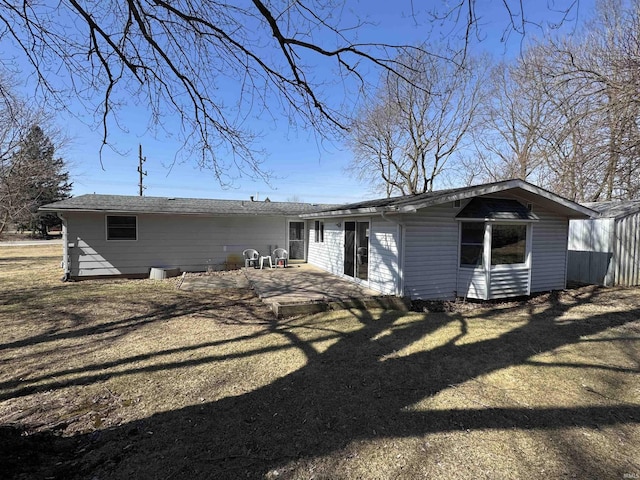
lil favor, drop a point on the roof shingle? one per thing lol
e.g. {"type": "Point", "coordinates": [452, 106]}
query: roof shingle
{"type": "Point", "coordinates": [136, 204]}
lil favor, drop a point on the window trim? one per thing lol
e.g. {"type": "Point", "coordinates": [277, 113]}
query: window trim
{"type": "Point", "coordinates": [482, 254]}
{"type": "Point", "coordinates": [319, 231]}
{"type": "Point", "coordinates": [106, 223]}
{"type": "Point", "coordinates": [487, 244]}
{"type": "Point", "coordinates": [527, 235]}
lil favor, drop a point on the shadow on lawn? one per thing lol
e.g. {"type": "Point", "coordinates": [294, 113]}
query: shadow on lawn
{"type": "Point", "coordinates": [355, 390]}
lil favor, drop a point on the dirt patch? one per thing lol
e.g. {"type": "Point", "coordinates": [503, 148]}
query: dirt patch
{"type": "Point", "coordinates": [214, 280]}
{"type": "Point", "coordinates": [465, 305]}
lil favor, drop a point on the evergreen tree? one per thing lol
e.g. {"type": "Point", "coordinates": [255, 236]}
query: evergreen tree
{"type": "Point", "coordinates": [37, 177]}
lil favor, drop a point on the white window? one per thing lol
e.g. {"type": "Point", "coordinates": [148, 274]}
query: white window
{"type": "Point", "coordinates": [507, 243]}
{"type": "Point", "coordinates": [471, 243]}
{"type": "Point", "coordinates": [122, 227]}
{"type": "Point", "coordinates": [319, 228]}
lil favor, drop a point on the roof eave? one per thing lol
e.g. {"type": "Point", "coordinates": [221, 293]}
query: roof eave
{"type": "Point", "coordinates": [580, 210]}
{"type": "Point", "coordinates": [356, 212]}
{"type": "Point", "coordinates": [164, 212]}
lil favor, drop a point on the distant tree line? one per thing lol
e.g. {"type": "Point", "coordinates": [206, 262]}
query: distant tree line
{"type": "Point", "coordinates": [564, 115]}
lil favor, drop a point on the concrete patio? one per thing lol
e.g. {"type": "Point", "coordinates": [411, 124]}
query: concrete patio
{"type": "Point", "coordinates": [296, 290]}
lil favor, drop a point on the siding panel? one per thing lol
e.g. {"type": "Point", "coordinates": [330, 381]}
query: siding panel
{"type": "Point", "coordinates": [509, 282]}
{"type": "Point", "coordinates": [383, 257]}
{"type": "Point", "coordinates": [472, 283]}
{"type": "Point", "coordinates": [549, 252]}
{"type": "Point", "coordinates": [383, 252]}
{"type": "Point", "coordinates": [190, 243]}
{"type": "Point", "coordinates": [431, 253]}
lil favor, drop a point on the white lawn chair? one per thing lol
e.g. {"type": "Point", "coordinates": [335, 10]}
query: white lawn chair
{"type": "Point", "coordinates": [251, 258]}
{"type": "Point", "coordinates": [281, 257]}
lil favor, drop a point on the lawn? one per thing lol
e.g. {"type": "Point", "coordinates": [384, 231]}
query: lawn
{"type": "Point", "coordinates": [136, 379]}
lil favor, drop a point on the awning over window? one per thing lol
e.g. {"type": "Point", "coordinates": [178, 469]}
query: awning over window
{"type": "Point", "coordinates": [481, 208]}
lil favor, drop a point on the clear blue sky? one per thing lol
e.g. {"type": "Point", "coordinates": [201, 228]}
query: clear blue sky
{"type": "Point", "coordinates": [309, 171]}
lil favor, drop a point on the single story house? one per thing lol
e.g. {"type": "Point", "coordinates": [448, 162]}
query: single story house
{"type": "Point", "coordinates": [128, 235]}
{"type": "Point", "coordinates": [487, 241]}
{"type": "Point", "coordinates": [606, 250]}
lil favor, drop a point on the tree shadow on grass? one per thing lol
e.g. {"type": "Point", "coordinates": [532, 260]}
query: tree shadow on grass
{"type": "Point", "coordinates": [358, 389]}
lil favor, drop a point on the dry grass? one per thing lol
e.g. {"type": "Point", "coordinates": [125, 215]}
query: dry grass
{"type": "Point", "coordinates": [136, 379]}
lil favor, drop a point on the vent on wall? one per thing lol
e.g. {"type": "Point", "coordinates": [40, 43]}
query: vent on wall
{"type": "Point", "coordinates": [456, 204]}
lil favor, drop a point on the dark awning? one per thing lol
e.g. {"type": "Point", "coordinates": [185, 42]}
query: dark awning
{"type": "Point", "coordinates": [480, 208]}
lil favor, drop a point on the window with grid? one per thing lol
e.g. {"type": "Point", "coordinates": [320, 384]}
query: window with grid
{"type": "Point", "coordinates": [471, 243]}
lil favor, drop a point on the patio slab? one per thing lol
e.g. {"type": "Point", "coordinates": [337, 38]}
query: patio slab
{"type": "Point", "coordinates": [303, 283]}
{"type": "Point", "coordinates": [299, 289]}
{"type": "Point", "coordinates": [303, 288]}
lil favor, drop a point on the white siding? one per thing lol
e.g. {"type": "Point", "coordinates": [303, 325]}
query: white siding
{"type": "Point", "coordinates": [431, 253]}
{"type": "Point", "coordinates": [383, 257]}
{"type": "Point", "coordinates": [508, 281]}
{"type": "Point", "coordinates": [593, 235]}
{"type": "Point", "coordinates": [327, 255]}
{"type": "Point", "coordinates": [472, 283]}
{"type": "Point", "coordinates": [383, 252]}
{"type": "Point", "coordinates": [187, 242]}
{"type": "Point", "coordinates": [549, 252]}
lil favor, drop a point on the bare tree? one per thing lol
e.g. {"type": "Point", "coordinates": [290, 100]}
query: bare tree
{"type": "Point", "coordinates": [22, 180]}
{"type": "Point", "coordinates": [566, 114]}
{"type": "Point", "coordinates": [594, 80]}
{"type": "Point", "coordinates": [508, 139]}
{"type": "Point", "coordinates": [176, 57]}
{"type": "Point", "coordinates": [403, 138]}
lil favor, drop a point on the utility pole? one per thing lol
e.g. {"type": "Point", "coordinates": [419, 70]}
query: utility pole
{"type": "Point", "coordinates": [142, 174]}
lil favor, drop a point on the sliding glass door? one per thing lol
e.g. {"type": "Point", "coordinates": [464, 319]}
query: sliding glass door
{"type": "Point", "coordinates": [356, 249]}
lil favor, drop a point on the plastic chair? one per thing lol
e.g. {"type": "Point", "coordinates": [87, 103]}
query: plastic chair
{"type": "Point", "coordinates": [361, 254]}
{"type": "Point", "coordinates": [281, 257]}
{"type": "Point", "coordinates": [251, 257]}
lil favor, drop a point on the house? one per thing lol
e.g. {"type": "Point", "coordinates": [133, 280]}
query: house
{"type": "Point", "coordinates": [487, 241]}
{"type": "Point", "coordinates": [606, 250]}
{"type": "Point", "coordinates": [128, 235]}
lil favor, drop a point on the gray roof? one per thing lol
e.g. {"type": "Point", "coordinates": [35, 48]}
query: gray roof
{"type": "Point", "coordinates": [398, 201]}
{"type": "Point", "coordinates": [615, 208]}
{"type": "Point", "coordinates": [496, 209]}
{"type": "Point", "coordinates": [194, 206]}
{"type": "Point", "coordinates": [411, 203]}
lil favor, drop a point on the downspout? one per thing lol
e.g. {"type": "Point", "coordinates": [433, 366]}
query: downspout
{"type": "Point", "coordinates": [66, 259]}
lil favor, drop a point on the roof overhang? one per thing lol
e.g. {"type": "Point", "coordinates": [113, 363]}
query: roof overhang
{"type": "Point", "coordinates": [524, 189]}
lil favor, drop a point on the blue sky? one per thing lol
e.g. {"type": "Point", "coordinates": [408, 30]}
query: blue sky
{"type": "Point", "coordinates": [306, 169]}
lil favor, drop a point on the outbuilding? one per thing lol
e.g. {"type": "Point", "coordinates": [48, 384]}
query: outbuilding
{"type": "Point", "coordinates": [606, 250]}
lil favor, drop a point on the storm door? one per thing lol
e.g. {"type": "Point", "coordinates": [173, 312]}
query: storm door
{"type": "Point", "coordinates": [296, 240]}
